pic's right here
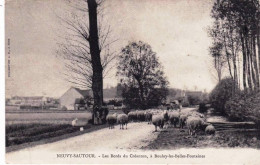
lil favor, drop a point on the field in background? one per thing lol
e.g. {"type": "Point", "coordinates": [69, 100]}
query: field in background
{"type": "Point", "coordinates": [44, 117]}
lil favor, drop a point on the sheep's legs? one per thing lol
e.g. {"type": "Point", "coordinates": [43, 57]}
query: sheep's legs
{"type": "Point", "coordinates": [125, 126]}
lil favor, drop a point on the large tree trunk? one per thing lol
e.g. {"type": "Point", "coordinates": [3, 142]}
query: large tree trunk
{"type": "Point", "coordinates": [228, 58]}
{"type": "Point", "coordinates": [255, 62]}
{"type": "Point", "coordinates": [252, 62]}
{"type": "Point", "coordinates": [97, 79]}
{"type": "Point", "coordinates": [249, 76]}
{"type": "Point", "coordinates": [234, 56]}
{"type": "Point", "coordinates": [141, 95]}
{"type": "Point", "coordinates": [244, 62]}
{"type": "Point", "coordinates": [258, 47]}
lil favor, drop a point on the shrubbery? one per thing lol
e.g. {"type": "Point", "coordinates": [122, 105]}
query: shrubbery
{"type": "Point", "coordinates": [221, 94]}
{"type": "Point", "coordinates": [194, 100]}
{"type": "Point", "coordinates": [238, 106]}
{"type": "Point", "coordinates": [244, 106]}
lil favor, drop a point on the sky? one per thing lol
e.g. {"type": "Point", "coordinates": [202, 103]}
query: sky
{"type": "Point", "coordinates": [175, 29]}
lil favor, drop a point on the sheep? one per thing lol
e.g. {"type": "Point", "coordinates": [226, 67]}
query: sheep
{"type": "Point", "coordinates": [196, 114]}
{"type": "Point", "coordinates": [73, 123]}
{"type": "Point", "coordinates": [193, 124]}
{"type": "Point", "coordinates": [158, 120]}
{"type": "Point", "coordinates": [111, 120]}
{"type": "Point", "coordinates": [148, 117]}
{"type": "Point", "coordinates": [183, 119]}
{"type": "Point", "coordinates": [122, 119]}
{"type": "Point", "coordinates": [210, 129]}
{"type": "Point", "coordinates": [174, 118]}
{"type": "Point", "coordinates": [79, 122]}
{"type": "Point", "coordinates": [140, 116]}
{"type": "Point", "coordinates": [132, 116]}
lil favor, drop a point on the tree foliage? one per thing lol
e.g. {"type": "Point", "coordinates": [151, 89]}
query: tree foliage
{"type": "Point", "coordinates": [235, 35]}
{"type": "Point", "coordinates": [142, 76]}
{"type": "Point", "coordinates": [244, 107]}
{"type": "Point", "coordinates": [221, 94]}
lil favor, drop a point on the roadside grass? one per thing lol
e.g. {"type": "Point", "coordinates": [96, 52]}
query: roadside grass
{"type": "Point", "coordinates": [175, 138]}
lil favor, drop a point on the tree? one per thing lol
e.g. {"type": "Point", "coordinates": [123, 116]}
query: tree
{"type": "Point", "coordinates": [216, 51]}
{"type": "Point", "coordinates": [86, 52]}
{"type": "Point", "coordinates": [141, 75]}
{"type": "Point", "coordinates": [237, 28]}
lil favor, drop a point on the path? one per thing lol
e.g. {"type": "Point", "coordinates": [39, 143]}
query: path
{"type": "Point", "coordinates": [136, 136]}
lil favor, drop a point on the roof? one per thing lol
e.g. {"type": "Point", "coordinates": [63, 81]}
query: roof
{"type": "Point", "coordinates": [83, 92]}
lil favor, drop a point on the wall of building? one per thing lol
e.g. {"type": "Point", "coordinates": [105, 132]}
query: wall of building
{"type": "Point", "coordinates": [68, 98]}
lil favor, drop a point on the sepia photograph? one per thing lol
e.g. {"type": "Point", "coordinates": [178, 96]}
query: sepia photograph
{"type": "Point", "coordinates": [132, 81]}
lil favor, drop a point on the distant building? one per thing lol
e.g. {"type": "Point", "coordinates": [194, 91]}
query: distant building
{"type": "Point", "coordinates": [198, 94]}
{"type": "Point", "coordinates": [31, 101]}
{"type": "Point", "coordinates": [70, 99]}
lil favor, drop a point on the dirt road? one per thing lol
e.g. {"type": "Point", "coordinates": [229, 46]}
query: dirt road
{"type": "Point", "coordinates": [136, 136]}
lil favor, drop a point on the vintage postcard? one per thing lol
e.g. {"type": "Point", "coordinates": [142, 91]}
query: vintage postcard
{"type": "Point", "coordinates": [132, 81]}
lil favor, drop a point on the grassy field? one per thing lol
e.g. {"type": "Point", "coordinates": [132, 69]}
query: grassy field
{"type": "Point", "coordinates": [45, 117]}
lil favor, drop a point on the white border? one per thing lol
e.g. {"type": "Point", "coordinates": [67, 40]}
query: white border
{"type": "Point", "coordinates": [2, 84]}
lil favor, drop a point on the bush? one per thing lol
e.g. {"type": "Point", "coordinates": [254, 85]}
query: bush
{"type": "Point", "coordinates": [221, 94]}
{"type": "Point", "coordinates": [194, 100]}
{"type": "Point", "coordinates": [244, 106]}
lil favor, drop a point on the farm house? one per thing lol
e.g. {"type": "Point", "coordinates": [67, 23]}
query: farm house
{"type": "Point", "coordinates": [69, 98]}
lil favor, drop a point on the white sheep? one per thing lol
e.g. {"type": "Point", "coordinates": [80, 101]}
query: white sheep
{"type": "Point", "coordinates": [73, 123]}
{"type": "Point", "coordinates": [132, 116]}
{"type": "Point", "coordinates": [183, 119]}
{"type": "Point", "coordinates": [210, 129]}
{"type": "Point", "coordinates": [148, 117]}
{"type": "Point", "coordinates": [141, 116]}
{"type": "Point", "coordinates": [158, 120]}
{"type": "Point", "coordinates": [122, 119]}
{"type": "Point", "coordinates": [174, 117]}
{"type": "Point", "coordinates": [79, 122]}
{"type": "Point", "coordinates": [193, 124]}
{"type": "Point", "coordinates": [111, 120]}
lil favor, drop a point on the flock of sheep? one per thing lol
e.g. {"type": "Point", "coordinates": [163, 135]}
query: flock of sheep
{"type": "Point", "coordinates": [162, 119]}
